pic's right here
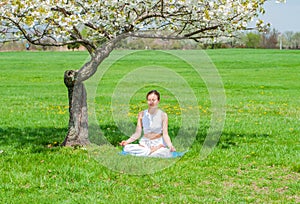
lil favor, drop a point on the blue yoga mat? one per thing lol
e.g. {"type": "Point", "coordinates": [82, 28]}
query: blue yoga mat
{"type": "Point", "coordinates": [174, 154]}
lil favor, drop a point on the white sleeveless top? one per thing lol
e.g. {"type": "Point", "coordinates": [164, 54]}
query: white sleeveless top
{"type": "Point", "coordinates": [152, 123]}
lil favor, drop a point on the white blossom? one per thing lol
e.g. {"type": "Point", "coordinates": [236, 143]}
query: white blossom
{"type": "Point", "coordinates": [66, 20]}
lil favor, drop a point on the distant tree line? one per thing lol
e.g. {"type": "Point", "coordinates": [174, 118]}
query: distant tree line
{"type": "Point", "coordinates": [271, 39]}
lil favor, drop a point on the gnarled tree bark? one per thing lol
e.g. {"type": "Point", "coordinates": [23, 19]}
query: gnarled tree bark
{"type": "Point", "coordinates": [73, 79]}
{"type": "Point", "coordinates": [78, 120]}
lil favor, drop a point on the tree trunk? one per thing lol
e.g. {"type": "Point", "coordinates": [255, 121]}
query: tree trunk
{"type": "Point", "coordinates": [78, 121]}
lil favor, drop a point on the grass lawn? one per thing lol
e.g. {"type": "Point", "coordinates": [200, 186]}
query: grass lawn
{"type": "Point", "coordinates": [256, 160]}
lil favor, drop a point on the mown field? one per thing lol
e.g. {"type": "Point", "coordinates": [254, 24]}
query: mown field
{"type": "Point", "coordinates": [256, 159]}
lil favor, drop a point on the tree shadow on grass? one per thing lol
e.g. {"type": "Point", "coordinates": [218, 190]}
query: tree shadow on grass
{"type": "Point", "coordinates": [44, 138]}
{"type": "Point", "coordinates": [36, 139]}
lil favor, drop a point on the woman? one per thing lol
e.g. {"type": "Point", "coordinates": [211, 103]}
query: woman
{"type": "Point", "coordinates": [154, 123]}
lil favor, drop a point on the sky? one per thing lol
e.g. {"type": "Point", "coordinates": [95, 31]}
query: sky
{"type": "Point", "coordinates": [283, 16]}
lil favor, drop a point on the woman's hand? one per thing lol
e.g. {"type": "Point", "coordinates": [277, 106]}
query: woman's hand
{"type": "Point", "coordinates": [172, 149]}
{"type": "Point", "coordinates": [123, 143]}
{"type": "Point", "coordinates": [153, 149]}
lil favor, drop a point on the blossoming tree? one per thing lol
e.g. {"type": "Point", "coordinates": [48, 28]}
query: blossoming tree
{"type": "Point", "coordinates": [99, 24]}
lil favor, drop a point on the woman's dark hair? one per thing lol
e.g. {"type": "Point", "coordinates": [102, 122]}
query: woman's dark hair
{"type": "Point", "coordinates": [153, 92]}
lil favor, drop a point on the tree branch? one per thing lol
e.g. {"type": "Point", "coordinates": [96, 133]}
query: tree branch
{"type": "Point", "coordinates": [201, 31]}
{"type": "Point", "coordinates": [62, 10]}
{"type": "Point", "coordinates": [99, 55]}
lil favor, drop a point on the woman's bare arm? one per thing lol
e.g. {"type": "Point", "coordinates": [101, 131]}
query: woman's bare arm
{"type": "Point", "coordinates": [138, 131]}
{"type": "Point", "coordinates": [166, 136]}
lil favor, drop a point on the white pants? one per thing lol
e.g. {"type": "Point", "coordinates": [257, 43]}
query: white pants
{"type": "Point", "coordinates": [144, 148]}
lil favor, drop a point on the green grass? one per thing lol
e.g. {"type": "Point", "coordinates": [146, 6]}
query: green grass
{"type": "Point", "coordinates": [257, 159]}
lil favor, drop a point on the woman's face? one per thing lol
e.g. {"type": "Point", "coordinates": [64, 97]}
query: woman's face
{"type": "Point", "coordinates": [152, 100]}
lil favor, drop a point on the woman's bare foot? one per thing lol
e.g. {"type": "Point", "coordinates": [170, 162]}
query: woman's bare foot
{"type": "Point", "coordinates": [153, 149]}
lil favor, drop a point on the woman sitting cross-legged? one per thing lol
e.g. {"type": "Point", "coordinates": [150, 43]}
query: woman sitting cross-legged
{"type": "Point", "coordinates": [154, 123]}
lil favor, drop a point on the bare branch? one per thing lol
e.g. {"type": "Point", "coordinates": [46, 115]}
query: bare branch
{"type": "Point", "coordinates": [147, 16]}
{"type": "Point", "coordinates": [8, 40]}
{"type": "Point", "coordinates": [201, 30]}
{"type": "Point", "coordinates": [99, 55]}
{"type": "Point", "coordinates": [162, 7]}
{"type": "Point", "coordinates": [149, 34]}
{"type": "Point", "coordinates": [62, 10]}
